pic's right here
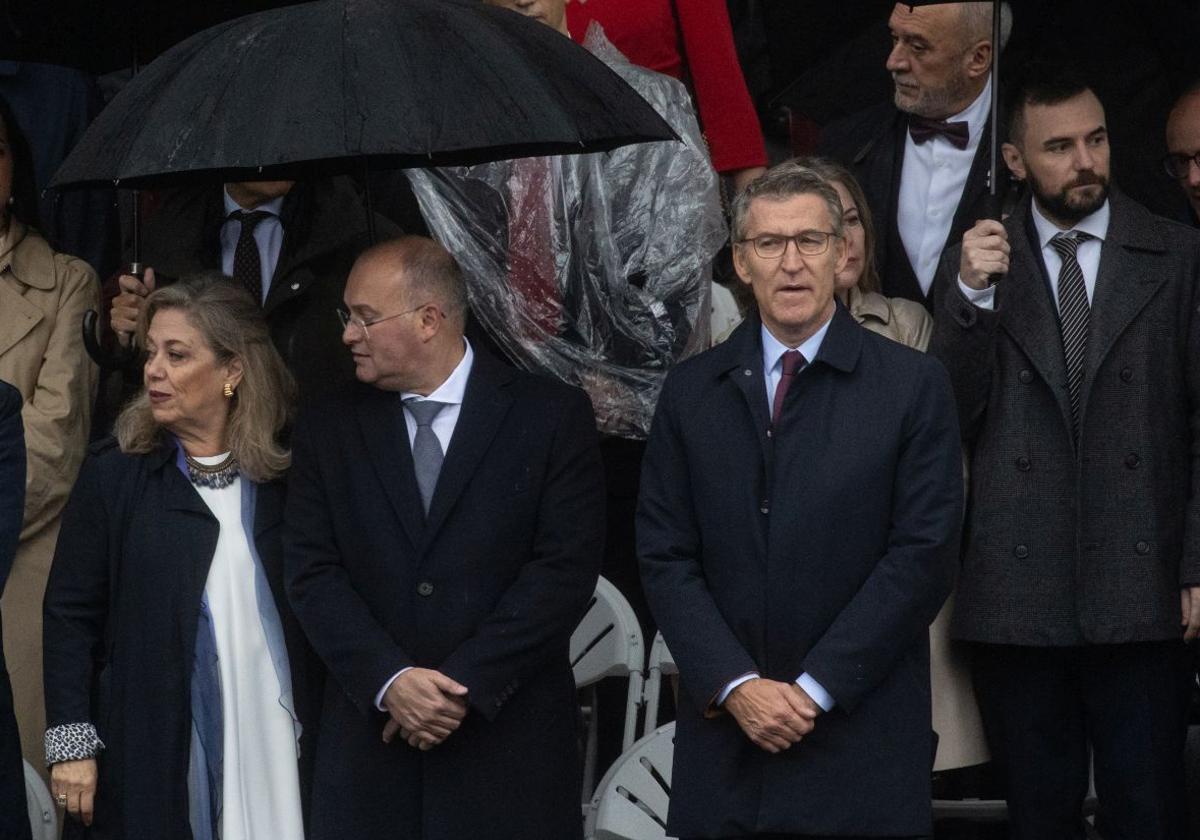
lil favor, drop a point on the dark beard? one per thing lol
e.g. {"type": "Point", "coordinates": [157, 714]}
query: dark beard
{"type": "Point", "coordinates": [1059, 206]}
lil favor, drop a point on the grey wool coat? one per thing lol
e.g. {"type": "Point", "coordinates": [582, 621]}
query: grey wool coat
{"type": "Point", "coordinates": [1080, 544]}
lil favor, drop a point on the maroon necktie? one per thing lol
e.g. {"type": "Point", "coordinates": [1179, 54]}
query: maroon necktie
{"type": "Point", "coordinates": [924, 129]}
{"type": "Point", "coordinates": [793, 361]}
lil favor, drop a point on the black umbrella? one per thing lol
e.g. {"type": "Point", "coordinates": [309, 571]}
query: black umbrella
{"type": "Point", "coordinates": [392, 83]}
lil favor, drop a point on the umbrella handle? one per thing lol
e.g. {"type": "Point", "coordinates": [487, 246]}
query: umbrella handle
{"type": "Point", "coordinates": [106, 360]}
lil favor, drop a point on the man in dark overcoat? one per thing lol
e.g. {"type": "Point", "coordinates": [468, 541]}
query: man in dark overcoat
{"type": "Point", "coordinates": [1077, 378]}
{"type": "Point", "coordinates": [14, 819]}
{"type": "Point", "coordinates": [444, 533]}
{"type": "Point", "coordinates": [923, 159]}
{"type": "Point", "coordinates": [797, 527]}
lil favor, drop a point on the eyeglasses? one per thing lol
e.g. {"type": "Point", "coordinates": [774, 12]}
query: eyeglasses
{"type": "Point", "coordinates": [347, 320]}
{"type": "Point", "coordinates": [1178, 166]}
{"type": "Point", "coordinates": [771, 246]}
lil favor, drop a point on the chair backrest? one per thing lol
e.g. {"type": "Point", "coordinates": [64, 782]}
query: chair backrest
{"type": "Point", "coordinates": [43, 818]}
{"type": "Point", "coordinates": [632, 798]}
{"type": "Point", "coordinates": [661, 664]}
{"type": "Point", "coordinates": [608, 641]}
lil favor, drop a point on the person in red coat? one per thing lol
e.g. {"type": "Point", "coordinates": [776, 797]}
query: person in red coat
{"type": "Point", "coordinates": [651, 32]}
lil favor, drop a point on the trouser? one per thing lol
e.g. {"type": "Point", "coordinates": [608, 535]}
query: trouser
{"type": "Point", "coordinates": [1043, 708]}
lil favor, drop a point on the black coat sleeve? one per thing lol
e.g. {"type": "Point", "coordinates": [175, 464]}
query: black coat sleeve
{"type": "Point", "coordinates": [964, 341]}
{"type": "Point", "coordinates": [76, 605]}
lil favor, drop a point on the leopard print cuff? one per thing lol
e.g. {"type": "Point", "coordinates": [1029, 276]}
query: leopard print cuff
{"type": "Point", "coordinates": [72, 742]}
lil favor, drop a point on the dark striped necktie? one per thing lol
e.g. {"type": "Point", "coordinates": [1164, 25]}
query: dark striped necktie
{"type": "Point", "coordinates": [1073, 313]}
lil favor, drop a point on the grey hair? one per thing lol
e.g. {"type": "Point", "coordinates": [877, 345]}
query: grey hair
{"type": "Point", "coordinates": [781, 182]}
{"type": "Point", "coordinates": [977, 23]}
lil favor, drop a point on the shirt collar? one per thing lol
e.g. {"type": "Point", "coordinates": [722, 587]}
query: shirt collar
{"type": "Point", "coordinates": [773, 348]}
{"type": "Point", "coordinates": [452, 391]}
{"type": "Point", "coordinates": [274, 206]}
{"type": "Point", "coordinates": [1095, 224]}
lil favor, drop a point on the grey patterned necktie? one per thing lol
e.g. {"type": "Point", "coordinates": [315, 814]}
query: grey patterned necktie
{"type": "Point", "coordinates": [1073, 313]}
{"type": "Point", "coordinates": [427, 449]}
{"type": "Point", "coordinates": [247, 264]}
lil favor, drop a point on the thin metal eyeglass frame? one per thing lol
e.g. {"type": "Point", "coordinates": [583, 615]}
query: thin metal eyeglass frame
{"type": "Point", "coordinates": [795, 240]}
{"type": "Point", "coordinates": [347, 319]}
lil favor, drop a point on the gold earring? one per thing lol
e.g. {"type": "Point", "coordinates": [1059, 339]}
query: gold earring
{"type": "Point", "coordinates": [227, 390]}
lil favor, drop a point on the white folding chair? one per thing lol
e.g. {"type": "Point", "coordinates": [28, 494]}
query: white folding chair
{"type": "Point", "coordinates": [608, 643]}
{"type": "Point", "coordinates": [661, 664]}
{"type": "Point", "coordinates": [631, 801]}
{"type": "Point", "coordinates": [43, 818]}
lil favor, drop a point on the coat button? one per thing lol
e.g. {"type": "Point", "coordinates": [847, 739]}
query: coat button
{"type": "Point", "coordinates": [1021, 552]}
{"type": "Point", "coordinates": [1023, 464]}
{"type": "Point", "coordinates": [1142, 547]}
{"type": "Point", "coordinates": [1126, 374]}
{"type": "Point", "coordinates": [1026, 376]}
{"type": "Point", "coordinates": [425, 588]}
{"type": "Point", "coordinates": [295, 287]}
{"type": "Point", "coordinates": [1132, 460]}
{"type": "Point", "coordinates": [747, 372]}
{"type": "Point", "coordinates": [764, 509]}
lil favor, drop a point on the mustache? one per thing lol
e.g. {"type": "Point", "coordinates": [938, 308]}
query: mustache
{"type": "Point", "coordinates": [1088, 179]}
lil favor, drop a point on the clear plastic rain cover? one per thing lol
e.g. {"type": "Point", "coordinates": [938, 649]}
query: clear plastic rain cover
{"type": "Point", "coordinates": [593, 268]}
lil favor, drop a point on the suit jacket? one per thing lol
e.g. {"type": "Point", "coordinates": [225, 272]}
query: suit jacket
{"type": "Point", "coordinates": [1070, 545]}
{"type": "Point", "coordinates": [120, 627]}
{"type": "Point", "coordinates": [487, 589]}
{"type": "Point", "coordinates": [748, 565]}
{"type": "Point", "coordinates": [871, 145]}
{"type": "Point", "coordinates": [14, 820]}
{"type": "Point", "coordinates": [324, 231]}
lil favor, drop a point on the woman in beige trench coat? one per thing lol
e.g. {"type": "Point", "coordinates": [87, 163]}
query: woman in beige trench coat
{"type": "Point", "coordinates": [43, 296]}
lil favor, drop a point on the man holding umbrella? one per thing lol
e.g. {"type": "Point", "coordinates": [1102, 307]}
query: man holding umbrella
{"type": "Point", "coordinates": [1077, 377]}
{"type": "Point", "coordinates": [923, 161]}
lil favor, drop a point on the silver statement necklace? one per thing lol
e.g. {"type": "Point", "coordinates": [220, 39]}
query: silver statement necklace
{"type": "Point", "coordinates": [217, 476]}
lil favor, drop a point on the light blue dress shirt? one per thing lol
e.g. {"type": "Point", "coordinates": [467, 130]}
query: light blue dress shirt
{"type": "Point", "coordinates": [268, 235]}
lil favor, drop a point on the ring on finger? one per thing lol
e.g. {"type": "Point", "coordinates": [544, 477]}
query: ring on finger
{"type": "Point", "coordinates": [61, 799]}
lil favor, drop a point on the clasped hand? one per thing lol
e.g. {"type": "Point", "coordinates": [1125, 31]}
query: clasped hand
{"type": "Point", "coordinates": [774, 715]}
{"type": "Point", "coordinates": [425, 707]}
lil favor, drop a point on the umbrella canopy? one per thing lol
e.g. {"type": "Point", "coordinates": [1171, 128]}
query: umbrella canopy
{"type": "Point", "coordinates": [397, 83]}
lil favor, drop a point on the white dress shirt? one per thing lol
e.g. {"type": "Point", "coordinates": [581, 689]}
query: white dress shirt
{"type": "Point", "coordinates": [773, 350]}
{"type": "Point", "coordinates": [450, 392]}
{"type": "Point", "coordinates": [268, 235]}
{"type": "Point", "coordinates": [931, 185]}
{"type": "Point", "coordinates": [1088, 256]}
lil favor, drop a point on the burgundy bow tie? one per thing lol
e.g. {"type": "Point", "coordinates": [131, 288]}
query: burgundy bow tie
{"type": "Point", "coordinates": [924, 129]}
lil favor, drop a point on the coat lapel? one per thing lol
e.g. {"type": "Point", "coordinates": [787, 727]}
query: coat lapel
{"type": "Point", "coordinates": [1029, 315]}
{"type": "Point", "coordinates": [484, 407]}
{"type": "Point", "coordinates": [382, 422]}
{"type": "Point", "coordinates": [1123, 284]}
{"type": "Point", "coordinates": [744, 368]}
